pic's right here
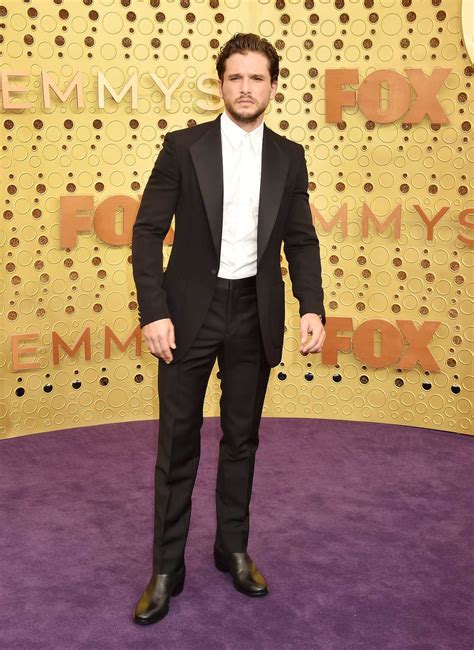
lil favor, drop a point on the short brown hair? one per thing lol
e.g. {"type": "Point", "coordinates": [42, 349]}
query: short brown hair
{"type": "Point", "coordinates": [244, 43]}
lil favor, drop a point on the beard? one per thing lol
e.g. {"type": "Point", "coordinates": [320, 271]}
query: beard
{"type": "Point", "coordinates": [245, 118]}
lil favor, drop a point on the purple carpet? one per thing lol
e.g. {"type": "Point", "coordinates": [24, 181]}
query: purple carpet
{"type": "Point", "coordinates": [363, 532]}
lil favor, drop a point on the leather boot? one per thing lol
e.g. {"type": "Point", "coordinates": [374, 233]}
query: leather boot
{"type": "Point", "coordinates": [154, 602]}
{"type": "Point", "coordinates": [246, 577]}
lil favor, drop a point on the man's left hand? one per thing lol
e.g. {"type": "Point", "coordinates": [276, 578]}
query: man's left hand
{"type": "Point", "coordinates": [312, 334]}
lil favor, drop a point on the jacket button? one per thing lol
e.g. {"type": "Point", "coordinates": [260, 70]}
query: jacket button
{"type": "Point", "coordinates": [213, 271]}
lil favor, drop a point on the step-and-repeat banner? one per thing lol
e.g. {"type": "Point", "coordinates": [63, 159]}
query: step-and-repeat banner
{"type": "Point", "coordinates": [378, 94]}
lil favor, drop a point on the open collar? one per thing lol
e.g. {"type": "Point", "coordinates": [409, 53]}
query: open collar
{"type": "Point", "coordinates": [234, 133]}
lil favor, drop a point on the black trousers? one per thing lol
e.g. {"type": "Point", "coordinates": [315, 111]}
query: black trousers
{"type": "Point", "coordinates": [230, 332]}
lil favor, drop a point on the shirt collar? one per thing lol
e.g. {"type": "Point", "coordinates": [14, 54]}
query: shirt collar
{"type": "Point", "coordinates": [234, 133]}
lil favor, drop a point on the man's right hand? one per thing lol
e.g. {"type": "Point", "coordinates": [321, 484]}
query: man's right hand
{"type": "Point", "coordinates": [159, 337]}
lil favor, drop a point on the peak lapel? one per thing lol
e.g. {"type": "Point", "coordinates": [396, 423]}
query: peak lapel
{"type": "Point", "coordinates": [275, 166]}
{"type": "Point", "coordinates": [206, 154]}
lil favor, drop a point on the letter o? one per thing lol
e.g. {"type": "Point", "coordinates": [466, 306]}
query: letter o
{"type": "Point", "coordinates": [391, 343]}
{"type": "Point", "coordinates": [104, 219]}
{"type": "Point", "coordinates": [398, 96]}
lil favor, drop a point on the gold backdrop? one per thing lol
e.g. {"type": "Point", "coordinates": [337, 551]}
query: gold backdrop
{"type": "Point", "coordinates": [377, 91]}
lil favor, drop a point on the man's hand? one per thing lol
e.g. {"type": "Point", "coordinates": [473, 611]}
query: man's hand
{"type": "Point", "coordinates": [311, 325]}
{"type": "Point", "coordinates": [159, 337]}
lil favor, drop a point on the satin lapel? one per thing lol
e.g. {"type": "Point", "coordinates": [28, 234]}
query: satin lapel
{"type": "Point", "coordinates": [275, 166]}
{"type": "Point", "coordinates": [206, 154]}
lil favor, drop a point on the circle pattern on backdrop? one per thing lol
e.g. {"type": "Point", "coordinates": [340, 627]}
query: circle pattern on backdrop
{"type": "Point", "coordinates": [101, 153]}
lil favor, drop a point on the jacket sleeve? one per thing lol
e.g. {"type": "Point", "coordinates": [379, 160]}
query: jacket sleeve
{"type": "Point", "coordinates": [151, 226]}
{"type": "Point", "coordinates": [301, 247]}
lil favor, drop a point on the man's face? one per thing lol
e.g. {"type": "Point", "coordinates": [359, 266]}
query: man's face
{"type": "Point", "coordinates": [246, 87]}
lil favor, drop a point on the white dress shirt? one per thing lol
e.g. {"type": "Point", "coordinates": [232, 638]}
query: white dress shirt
{"type": "Point", "coordinates": [242, 164]}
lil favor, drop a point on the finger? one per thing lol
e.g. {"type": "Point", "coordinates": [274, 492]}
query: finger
{"type": "Point", "coordinates": [154, 347]}
{"type": "Point", "coordinates": [165, 348]}
{"type": "Point", "coordinates": [151, 348]}
{"type": "Point", "coordinates": [316, 341]}
{"type": "Point", "coordinates": [152, 342]}
{"type": "Point", "coordinates": [318, 346]}
{"type": "Point", "coordinates": [305, 348]}
{"type": "Point", "coordinates": [171, 339]}
{"type": "Point", "coordinates": [303, 335]}
{"type": "Point", "coordinates": [304, 328]}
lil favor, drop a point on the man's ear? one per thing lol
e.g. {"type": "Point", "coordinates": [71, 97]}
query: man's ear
{"type": "Point", "coordinates": [219, 87]}
{"type": "Point", "coordinates": [274, 89]}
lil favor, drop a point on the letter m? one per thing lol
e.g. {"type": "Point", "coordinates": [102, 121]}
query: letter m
{"type": "Point", "coordinates": [341, 216]}
{"type": "Point", "coordinates": [111, 336]}
{"type": "Point", "coordinates": [58, 342]}
{"type": "Point", "coordinates": [369, 216]}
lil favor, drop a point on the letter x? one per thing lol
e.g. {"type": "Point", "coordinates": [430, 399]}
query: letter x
{"type": "Point", "coordinates": [418, 340]}
{"type": "Point", "coordinates": [426, 102]}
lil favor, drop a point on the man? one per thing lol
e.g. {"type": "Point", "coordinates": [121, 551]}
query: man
{"type": "Point", "coordinates": [237, 190]}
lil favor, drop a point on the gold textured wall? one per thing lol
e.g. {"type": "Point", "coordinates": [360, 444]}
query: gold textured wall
{"type": "Point", "coordinates": [73, 169]}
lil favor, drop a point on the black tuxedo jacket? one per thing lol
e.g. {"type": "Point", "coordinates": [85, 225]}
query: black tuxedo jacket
{"type": "Point", "coordinates": [187, 181]}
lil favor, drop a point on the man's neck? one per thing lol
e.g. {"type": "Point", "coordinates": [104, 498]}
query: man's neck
{"type": "Point", "coordinates": [246, 126]}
